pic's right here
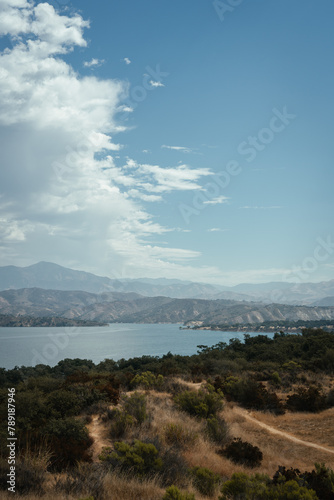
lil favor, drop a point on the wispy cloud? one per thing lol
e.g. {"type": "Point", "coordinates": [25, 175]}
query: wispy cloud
{"type": "Point", "coordinates": [183, 149]}
{"type": "Point", "coordinates": [215, 230]}
{"type": "Point", "coordinates": [216, 201]}
{"type": "Point", "coordinates": [93, 62]}
{"type": "Point", "coordinates": [272, 207]}
{"type": "Point", "coordinates": [156, 84]}
{"type": "Point", "coordinates": [127, 60]}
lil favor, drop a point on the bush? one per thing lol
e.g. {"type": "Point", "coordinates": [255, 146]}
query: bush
{"type": "Point", "coordinates": [174, 469]}
{"type": "Point", "coordinates": [69, 442]}
{"type": "Point", "coordinates": [148, 380]}
{"type": "Point", "coordinates": [202, 404]}
{"type": "Point", "coordinates": [217, 430]}
{"type": "Point", "coordinates": [135, 405]}
{"type": "Point", "coordinates": [259, 487]}
{"type": "Point", "coordinates": [330, 399]}
{"type": "Point", "coordinates": [276, 379]}
{"type": "Point", "coordinates": [30, 475]}
{"type": "Point", "coordinates": [249, 393]}
{"type": "Point", "coordinates": [62, 403]}
{"type": "Point", "coordinates": [139, 458]}
{"type": "Point", "coordinates": [321, 479]}
{"type": "Point", "coordinates": [83, 480]}
{"type": "Point", "coordinates": [205, 481]}
{"type": "Point", "coordinates": [243, 452]}
{"type": "Point", "coordinates": [176, 434]}
{"type": "Point", "coordinates": [121, 423]}
{"type": "Point", "coordinates": [242, 486]}
{"type": "Point", "coordinates": [310, 399]}
{"type": "Point", "coordinates": [173, 493]}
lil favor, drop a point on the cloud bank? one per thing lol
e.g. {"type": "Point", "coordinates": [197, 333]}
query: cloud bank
{"type": "Point", "coordinates": [62, 197]}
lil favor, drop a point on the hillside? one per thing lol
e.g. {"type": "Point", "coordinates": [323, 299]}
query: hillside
{"type": "Point", "coordinates": [132, 308]}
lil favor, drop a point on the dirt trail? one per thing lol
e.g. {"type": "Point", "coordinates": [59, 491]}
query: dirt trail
{"type": "Point", "coordinates": [97, 432]}
{"type": "Point", "coordinates": [246, 415]}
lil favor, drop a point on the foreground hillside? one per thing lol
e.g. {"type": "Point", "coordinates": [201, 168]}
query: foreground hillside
{"type": "Point", "coordinates": [250, 420]}
{"type": "Point", "coordinates": [132, 308]}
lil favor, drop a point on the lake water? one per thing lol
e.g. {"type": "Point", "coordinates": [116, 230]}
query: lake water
{"type": "Point", "coordinates": [31, 346]}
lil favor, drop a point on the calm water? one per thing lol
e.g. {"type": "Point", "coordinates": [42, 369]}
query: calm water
{"type": "Point", "coordinates": [32, 346]}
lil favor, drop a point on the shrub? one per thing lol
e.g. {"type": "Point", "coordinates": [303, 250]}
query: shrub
{"type": "Point", "coordinates": [121, 423]}
{"type": "Point", "coordinates": [135, 405]}
{"type": "Point", "coordinates": [30, 474]}
{"type": "Point", "coordinates": [205, 481]}
{"type": "Point", "coordinates": [242, 486]}
{"type": "Point", "coordinates": [139, 458]}
{"type": "Point", "coordinates": [173, 493]}
{"type": "Point", "coordinates": [310, 399]}
{"type": "Point", "coordinates": [148, 380]}
{"type": "Point", "coordinates": [202, 404]}
{"type": "Point", "coordinates": [176, 434]}
{"type": "Point", "coordinates": [243, 452]}
{"type": "Point", "coordinates": [217, 430]}
{"type": "Point", "coordinates": [259, 487]}
{"type": "Point", "coordinates": [69, 442]}
{"type": "Point", "coordinates": [82, 480]}
{"type": "Point", "coordinates": [321, 479]}
{"type": "Point", "coordinates": [249, 393]}
{"type": "Point", "coordinates": [276, 379]}
{"type": "Point", "coordinates": [63, 403]}
{"type": "Point", "coordinates": [330, 398]}
{"type": "Point", "coordinates": [174, 468]}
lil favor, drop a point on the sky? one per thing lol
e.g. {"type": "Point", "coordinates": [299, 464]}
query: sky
{"type": "Point", "coordinates": [188, 140]}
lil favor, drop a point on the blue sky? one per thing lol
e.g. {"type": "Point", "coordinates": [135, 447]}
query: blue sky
{"type": "Point", "coordinates": [212, 158]}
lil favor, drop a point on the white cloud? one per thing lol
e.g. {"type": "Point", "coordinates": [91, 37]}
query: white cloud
{"type": "Point", "coordinates": [127, 60]}
{"type": "Point", "coordinates": [215, 230]}
{"type": "Point", "coordinates": [62, 197]}
{"type": "Point", "coordinates": [178, 148]}
{"type": "Point", "coordinates": [154, 178]}
{"type": "Point", "coordinates": [93, 62]}
{"type": "Point", "coordinates": [156, 84]}
{"type": "Point", "coordinates": [216, 201]}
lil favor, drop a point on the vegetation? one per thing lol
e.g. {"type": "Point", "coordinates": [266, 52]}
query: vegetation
{"type": "Point", "coordinates": [244, 453]}
{"type": "Point", "coordinates": [9, 320]}
{"type": "Point", "coordinates": [166, 422]}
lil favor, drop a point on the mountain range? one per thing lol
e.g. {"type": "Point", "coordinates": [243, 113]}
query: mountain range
{"type": "Point", "coordinates": [49, 276]}
{"type": "Point", "coordinates": [111, 307]}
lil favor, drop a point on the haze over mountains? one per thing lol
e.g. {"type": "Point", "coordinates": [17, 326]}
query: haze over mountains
{"type": "Point", "coordinates": [51, 276]}
{"type": "Point", "coordinates": [111, 307]}
{"type": "Point", "coordinates": [49, 290]}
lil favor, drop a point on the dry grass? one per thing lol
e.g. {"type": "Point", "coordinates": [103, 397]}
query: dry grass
{"type": "Point", "coordinates": [315, 427]}
{"type": "Point", "coordinates": [276, 449]}
{"type": "Point", "coordinates": [199, 451]}
{"type": "Point", "coordinates": [129, 488]}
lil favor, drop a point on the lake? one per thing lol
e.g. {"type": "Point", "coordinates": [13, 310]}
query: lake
{"type": "Point", "coordinates": [31, 346]}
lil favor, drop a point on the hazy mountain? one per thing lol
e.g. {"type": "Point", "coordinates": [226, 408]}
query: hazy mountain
{"type": "Point", "coordinates": [54, 277]}
{"type": "Point", "coordinates": [131, 308]}
{"type": "Point", "coordinates": [326, 301]}
{"type": "Point", "coordinates": [40, 302]}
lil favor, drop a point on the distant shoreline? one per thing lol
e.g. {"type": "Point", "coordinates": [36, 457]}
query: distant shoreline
{"type": "Point", "coordinates": [10, 321]}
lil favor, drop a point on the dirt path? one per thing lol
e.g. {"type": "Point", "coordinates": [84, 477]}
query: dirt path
{"type": "Point", "coordinates": [246, 415]}
{"type": "Point", "coordinates": [97, 432]}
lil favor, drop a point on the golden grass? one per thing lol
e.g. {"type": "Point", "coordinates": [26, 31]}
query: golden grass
{"type": "Point", "coordinates": [314, 427]}
{"type": "Point", "coordinates": [199, 451]}
{"type": "Point", "coordinates": [277, 450]}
